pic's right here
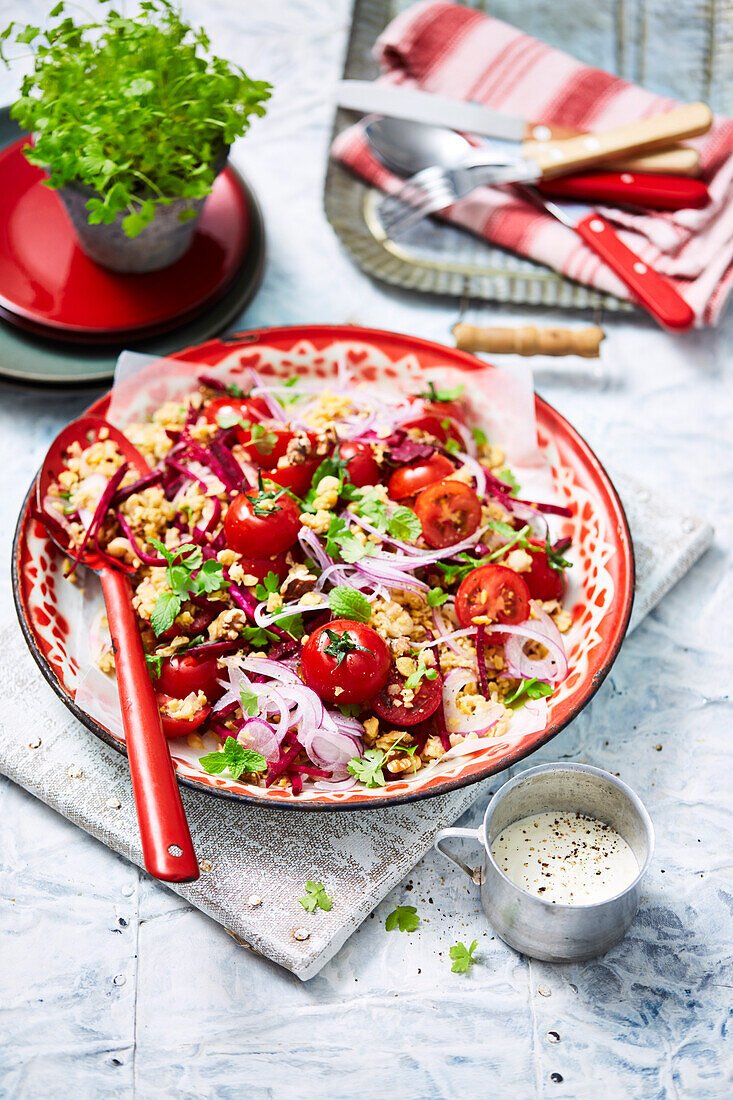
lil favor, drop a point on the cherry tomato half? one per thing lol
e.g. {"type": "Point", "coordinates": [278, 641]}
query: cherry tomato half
{"type": "Point", "coordinates": [390, 706]}
{"type": "Point", "coordinates": [180, 675]}
{"type": "Point", "coordinates": [495, 591]}
{"type": "Point", "coordinates": [544, 582]}
{"type": "Point", "coordinates": [361, 465]}
{"type": "Point", "coordinates": [408, 480]}
{"type": "Point", "coordinates": [448, 512]}
{"type": "Point", "coordinates": [260, 567]}
{"type": "Point", "coordinates": [245, 408]}
{"type": "Point", "coordinates": [179, 727]}
{"type": "Point", "coordinates": [345, 662]}
{"type": "Point", "coordinates": [270, 533]}
{"type": "Point", "coordinates": [266, 447]}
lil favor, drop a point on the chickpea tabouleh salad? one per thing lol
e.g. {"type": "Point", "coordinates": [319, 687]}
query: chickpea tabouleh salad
{"type": "Point", "coordinates": [334, 587]}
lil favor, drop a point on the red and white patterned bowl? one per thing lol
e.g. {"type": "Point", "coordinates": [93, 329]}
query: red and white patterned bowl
{"type": "Point", "coordinates": [600, 595]}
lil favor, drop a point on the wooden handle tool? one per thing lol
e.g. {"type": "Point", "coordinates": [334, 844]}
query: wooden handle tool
{"type": "Point", "coordinates": [676, 160]}
{"type": "Point", "coordinates": [529, 340]}
{"type": "Point", "coordinates": [561, 157]}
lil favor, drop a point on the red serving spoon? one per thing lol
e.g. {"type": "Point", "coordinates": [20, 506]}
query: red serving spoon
{"type": "Point", "coordinates": [166, 841]}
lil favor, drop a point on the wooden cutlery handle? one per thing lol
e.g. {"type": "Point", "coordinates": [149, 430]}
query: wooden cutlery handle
{"type": "Point", "coordinates": [677, 160]}
{"type": "Point", "coordinates": [529, 340]}
{"type": "Point", "coordinates": [561, 157]}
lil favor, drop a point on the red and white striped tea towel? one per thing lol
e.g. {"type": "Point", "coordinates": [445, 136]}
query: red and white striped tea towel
{"type": "Point", "coordinates": [459, 52]}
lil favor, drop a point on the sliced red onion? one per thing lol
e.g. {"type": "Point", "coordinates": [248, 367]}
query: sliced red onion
{"type": "Point", "coordinates": [445, 635]}
{"type": "Point", "coordinates": [93, 485]}
{"type": "Point", "coordinates": [260, 736]}
{"type": "Point", "coordinates": [391, 578]}
{"type": "Point", "coordinates": [550, 509]}
{"type": "Point", "coordinates": [535, 519]}
{"type": "Point", "coordinates": [276, 669]}
{"type": "Point", "coordinates": [312, 546]}
{"type": "Point", "coordinates": [266, 618]}
{"type": "Point", "coordinates": [550, 669]}
{"type": "Point", "coordinates": [476, 470]}
{"type": "Point", "coordinates": [457, 722]}
{"type": "Point", "coordinates": [276, 409]}
{"type": "Point", "coordinates": [453, 634]}
{"type": "Point", "coordinates": [406, 547]}
{"type": "Point", "coordinates": [336, 785]}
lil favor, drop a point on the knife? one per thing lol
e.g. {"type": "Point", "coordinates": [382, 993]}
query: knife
{"type": "Point", "coordinates": [653, 291]}
{"type": "Point", "coordinates": [552, 156]}
{"type": "Point", "coordinates": [641, 189]}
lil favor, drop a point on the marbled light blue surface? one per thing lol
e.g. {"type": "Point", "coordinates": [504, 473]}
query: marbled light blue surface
{"type": "Point", "coordinates": [110, 985]}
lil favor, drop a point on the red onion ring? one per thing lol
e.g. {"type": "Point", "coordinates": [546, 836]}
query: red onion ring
{"type": "Point", "coordinates": [550, 669]}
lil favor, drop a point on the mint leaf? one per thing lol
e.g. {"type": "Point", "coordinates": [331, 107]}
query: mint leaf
{"type": "Point", "coordinates": [214, 763]}
{"type": "Point", "coordinates": [235, 758]}
{"type": "Point", "coordinates": [167, 606]}
{"type": "Point", "coordinates": [403, 917]}
{"type": "Point", "coordinates": [368, 768]}
{"type": "Point", "coordinates": [348, 603]}
{"type": "Point", "coordinates": [462, 957]}
{"type": "Point", "coordinates": [315, 897]}
{"type": "Point", "coordinates": [292, 624]}
{"type": "Point", "coordinates": [404, 524]}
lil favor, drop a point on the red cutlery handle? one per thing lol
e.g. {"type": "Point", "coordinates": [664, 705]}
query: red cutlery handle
{"type": "Point", "coordinates": [655, 191]}
{"type": "Point", "coordinates": [160, 814]}
{"type": "Point", "coordinates": [654, 292]}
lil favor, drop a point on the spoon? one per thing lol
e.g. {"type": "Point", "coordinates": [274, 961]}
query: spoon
{"type": "Point", "coordinates": [166, 841]}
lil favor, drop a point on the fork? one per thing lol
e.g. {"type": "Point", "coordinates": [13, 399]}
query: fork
{"type": "Point", "coordinates": [434, 188]}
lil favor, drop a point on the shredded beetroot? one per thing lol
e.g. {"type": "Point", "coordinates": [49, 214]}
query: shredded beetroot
{"type": "Point", "coordinates": [153, 478]}
{"type": "Point", "coordinates": [403, 449]}
{"type": "Point", "coordinates": [228, 462]}
{"type": "Point", "coordinates": [441, 728]}
{"type": "Point", "coordinates": [227, 710]}
{"type": "Point", "coordinates": [483, 676]}
{"type": "Point", "coordinates": [220, 731]}
{"type": "Point", "coordinates": [206, 457]}
{"type": "Point", "coordinates": [296, 783]}
{"type": "Point", "coordinates": [284, 649]}
{"type": "Point", "coordinates": [185, 472]}
{"type": "Point", "coordinates": [99, 513]}
{"type": "Point", "coordinates": [315, 773]}
{"type": "Point", "coordinates": [212, 383]}
{"type": "Point", "coordinates": [171, 485]}
{"type": "Point", "coordinates": [215, 648]}
{"type": "Point", "coordinates": [208, 527]}
{"type": "Point", "coordinates": [248, 604]}
{"type": "Point", "coordinates": [550, 509]}
{"type": "Point", "coordinates": [148, 559]}
{"type": "Point", "coordinates": [280, 766]}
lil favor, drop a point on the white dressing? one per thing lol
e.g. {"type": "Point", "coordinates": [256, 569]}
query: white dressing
{"type": "Point", "coordinates": [565, 858]}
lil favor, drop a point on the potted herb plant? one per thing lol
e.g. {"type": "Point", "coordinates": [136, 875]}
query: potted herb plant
{"type": "Point", "coordinates": [132, 118]}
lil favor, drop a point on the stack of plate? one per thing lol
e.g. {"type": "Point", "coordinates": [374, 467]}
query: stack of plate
{"type": "Point", "coordinates": [64, 318]}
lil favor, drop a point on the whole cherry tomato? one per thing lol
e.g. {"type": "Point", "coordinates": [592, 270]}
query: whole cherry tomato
{"type": "Point", "coordinates": [298, 478]}
{"type": "Point", "coordinates": [267, 522]}
{"type": "Point", "coordinates": [179, 727]}
{"type": "Point", "coordinates": [390, 706]}
{"type": "Point", "coordinates": [266, 444]}
{"type": "Point", "coordinates": [345, 662]}
{"type": "Point", "coordinates": [361, 465]}
{"type": "Point", "coordinates": [408, 480]}
{"type": "Point", "coordinates": [437, 423]}
{"type": "Point", "coordinates": [180, 675]}
{"type": "Point", "coordinates": [260, 567]}
{"type": "Point", "coordinates": [544, 582]}
{"type": "Point", "coordinates": [242, 408]}
{"type": "Point", "coordinates": [448, 512]}
{"type": "Point", "coordinates": [496, 592]}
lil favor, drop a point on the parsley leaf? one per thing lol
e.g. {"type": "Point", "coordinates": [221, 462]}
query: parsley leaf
{"type": "Point", "coordinates": [448, 394]}
{"type": "Point", "coordinates": [462, 956]}
{"type": "Point", "coordinates": [249, 701]}
{"type": "Point", "coordinates": [270, 584]}
{"type": "Point", "coordinates": [154, 663]}
{"type": "Point", "coordinates": [336, 529]}
{"type": "Point", "coordinates": [235, 758]}
{"type": "Point", "coordinates": [368, 768]}
{"type": "Point", "coordinates": [436, 597]}
{"type": "Point", "coordinates": [514, 538]}
{"type": "Point", "coordinates": [456, 572]}
{"type": "Point", "coordinates": [183, 562]}
{"type": "Point", "coordinates": [404, 524]}
{"type": "Point", "coordinates": [348, 603]}
{"type": "Point", "coordinates": [210, 578]}
{"type": "Point", "coordinates": [333, 466]}
{"type": "Point", "coordinates": [452, 446]}
{"type": "Point", "coordinates": [421, 673]}
{"type": "Point", "coordinates": [527, 689]}
{"type": "Point", "coordinates": [480, 436]}
{"type": "Point", "coordinates": [257, 636]}
{"type": "Point", "coordinates": [508, 477]}
{"type": "Point", "coordinates": [315, 897]}
{"type": "Point", "coordinates": [403, 917]}
{"type": "Point", "coordinates": [352, 549]}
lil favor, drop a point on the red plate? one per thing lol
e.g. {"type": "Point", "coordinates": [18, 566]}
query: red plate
{"type": "Point", "coordinates": [47, 284]}
{"type": "Point", "coordinates": [599, 595]}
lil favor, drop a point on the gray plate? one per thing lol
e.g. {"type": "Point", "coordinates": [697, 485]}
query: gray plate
{"type": "Point", "coordinates": [29, 358]}
{"type": "Point", "coordinates": [432, 257]}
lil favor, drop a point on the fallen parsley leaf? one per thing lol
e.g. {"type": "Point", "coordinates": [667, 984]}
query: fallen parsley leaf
{"type": "Point", "coordinates": [235, 758]}
{"type": "Point", "coordinates": [509, 479]}
{"type": "Point", "coordinates": [348, 603]}
{"type": "Point", "coordinates": [249, 701]}
{"type": "Point", "coordinates": [436, 597]}
{"type": "Point", "coordinates": [452, 446]}
{"type": "Point", "coordinates": [422, 672]}
{"type": "Point", "coordinates": [527, 689]}
{"type": "Point", "coordinates": [315, 897]}
{"type": "Point", "coordinates": [403, 917]}
{"type": "Point", "coordinates": [462, 956]}
{"type": "Point", "coordinates": [449, 394]}
{"type": "Point", "coordinates": [257, 636]}
{"type": "Point", "coordinates": [368, 768]}
{"type": "Point", "coordinates": [270, 584]}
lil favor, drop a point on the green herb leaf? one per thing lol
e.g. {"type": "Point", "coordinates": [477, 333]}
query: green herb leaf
{"type": "Point", "coordinates": [555, 558]}
{"type": "Point", "coordinates": [292, 624]}
{"type": "Point", "coordinates": [422, 672]}
{"type": "Point", "coordinates": [403, 917]}
{"type": "Point", "coordinates": [452, 446]}
{"type": "Point", "coordinates": [368, 768]}
{"type": "Point", "coordinates": [507, 476]}
{"type": "Point", "coordinates": [527, 689]}
{"type": "Point", "coordinates": [315, 897]}
{"type": "Point", "coordinates": [234, 758]}
{"type": "Point", "coordinates": [348, 603]}
{"type": "Point", "coordinates": [404, 524]}
{"type": "Point", "coordinates": [462, 957]}
{"type": "Point", "coordinates": [210, 578]}
{"type": "Point", "coordinates": [257, 636]}
{"type": "Point", "coordinates": [480, 436]}
{"type": "Point", "coordinates": [249, 701]}
{"type": "Point", "coordinates": [436, 597]}
{"type": "Point", "coordinates": [340, 645]}
{"type": "Point", "coordinates": [270, 584]}
{"type": "Point", "coordinates": [446, 394]}
{"type": "Point", "coordinates": [154, 663]}
{"type": "Point", "coordinates": [167, 606]}
{"type": "Point", "coordinates": [350, 710]}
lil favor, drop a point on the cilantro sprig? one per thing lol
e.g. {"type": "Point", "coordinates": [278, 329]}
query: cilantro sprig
{"type": "Point", "coordinates": [448, 394]}
{"type": "Point", "coordinates": [403, 917]}
{"type": "Point", "coordinates": [187, 574]}
{"type": "Point", "coordinates": [233, 758]}
{"type": "Point", "coordinates": [462, 956]}
{"type": "Point", "coordinates": [134, 107]}
{"type": "Point", "coordinates": [315, 898]}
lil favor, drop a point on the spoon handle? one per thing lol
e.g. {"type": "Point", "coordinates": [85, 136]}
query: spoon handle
{"type": "Point", "coordinates": [163, 826]}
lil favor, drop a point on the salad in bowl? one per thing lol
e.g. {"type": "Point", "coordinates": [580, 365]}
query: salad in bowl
{"type": "Point", "coordinates": [339, 582]}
